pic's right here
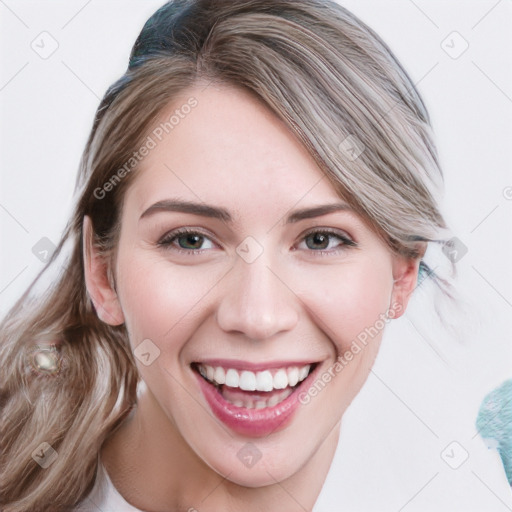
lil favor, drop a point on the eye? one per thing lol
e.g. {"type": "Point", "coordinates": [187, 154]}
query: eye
{"type": "Point", "coordinates": [326, 240]}
{"type": "Point", "coordinates": [319, 241]}
{"type": "Point", "coordinates": [186, 240]}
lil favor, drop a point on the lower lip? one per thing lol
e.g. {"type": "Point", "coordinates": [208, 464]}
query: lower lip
{"type": "Point", "coordinates": [253, 422]}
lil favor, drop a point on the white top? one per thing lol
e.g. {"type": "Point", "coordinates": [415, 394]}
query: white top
{"type": "Point", "coordinates": [104, 497]}
{"type": "Point", "coordinates": [479, 484]}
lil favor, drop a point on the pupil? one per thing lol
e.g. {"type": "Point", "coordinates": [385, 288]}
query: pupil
{"type": "Point", "coordinates": [191, 240]}
{"type": "Point", "coordinates": [319, 239]}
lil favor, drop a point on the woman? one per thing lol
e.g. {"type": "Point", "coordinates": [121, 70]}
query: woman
{"type": "Point", "coordinates": [258, 190]}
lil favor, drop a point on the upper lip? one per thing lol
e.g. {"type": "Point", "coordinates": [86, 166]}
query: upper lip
{"type": "Point", "coordinates": [238, 364]}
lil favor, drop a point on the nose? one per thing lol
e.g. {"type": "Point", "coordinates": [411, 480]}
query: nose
{"type": "Point", "coordinates": [256, 302]}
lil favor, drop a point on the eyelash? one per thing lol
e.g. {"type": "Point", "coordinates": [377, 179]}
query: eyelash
{"type": "Point", "coordinates": [166, 241]}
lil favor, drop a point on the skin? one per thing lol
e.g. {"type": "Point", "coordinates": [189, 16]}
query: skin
{"type": "Point", "coordinates": [290, 303]}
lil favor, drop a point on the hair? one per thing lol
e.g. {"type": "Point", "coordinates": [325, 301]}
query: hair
{"type": "Point", "coordinates": [332, 81]}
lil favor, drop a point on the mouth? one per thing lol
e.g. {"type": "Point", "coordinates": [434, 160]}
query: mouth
{"type": "Point", "coordinates": [253, 400]}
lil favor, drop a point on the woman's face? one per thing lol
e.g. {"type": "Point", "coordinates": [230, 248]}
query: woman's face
{"type": "Point", "coordinates": [265, 285]}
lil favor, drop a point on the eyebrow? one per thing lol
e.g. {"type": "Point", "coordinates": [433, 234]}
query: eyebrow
{"type": "Point", "coordinates": [205, 210]}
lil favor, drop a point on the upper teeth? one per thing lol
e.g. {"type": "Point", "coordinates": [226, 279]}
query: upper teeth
{"type": "Point", "coordinates": [246, 380]}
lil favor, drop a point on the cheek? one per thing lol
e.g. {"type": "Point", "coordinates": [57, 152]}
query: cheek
{"type": "Point", "coordinates": [160, 299]}
{"type": "Point", "coordinates": [344, 300]}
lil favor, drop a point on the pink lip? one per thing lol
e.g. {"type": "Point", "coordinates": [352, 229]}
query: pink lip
{"type": "Point", "coordinates": [238, 364]}
{"type": "Point", "coordinates": [253, 422]}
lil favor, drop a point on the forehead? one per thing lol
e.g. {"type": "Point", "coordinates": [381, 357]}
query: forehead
{"type": "Point", "coordinates": [228, 148]}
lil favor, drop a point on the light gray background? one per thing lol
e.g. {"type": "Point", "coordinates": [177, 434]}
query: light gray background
{"type": "Point", "coordinates": [414, 403]}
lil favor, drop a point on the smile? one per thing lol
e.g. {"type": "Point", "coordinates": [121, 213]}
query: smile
{"type": "Point", "coordinates": [267, 380]}
{"type": "Point", "coordinates": [253, 402]}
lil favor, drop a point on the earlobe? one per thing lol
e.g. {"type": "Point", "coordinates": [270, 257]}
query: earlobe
{"type": "Point", "coordinates": [99, 288]}
{"type": "Point", "coordinates": [405, 278]}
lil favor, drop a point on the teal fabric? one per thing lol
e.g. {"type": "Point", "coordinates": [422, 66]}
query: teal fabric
{"type": "Point", "coordinates": [494, 423]}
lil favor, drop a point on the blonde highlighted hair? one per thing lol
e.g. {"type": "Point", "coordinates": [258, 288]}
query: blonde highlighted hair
{"type": "Point", "coordinates": [339, 89]}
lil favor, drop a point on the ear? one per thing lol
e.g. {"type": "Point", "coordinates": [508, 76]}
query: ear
{"type": "Point", "coordinates": [405, 279]}
{"type": "Point", "coordinates": [99, 287]}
